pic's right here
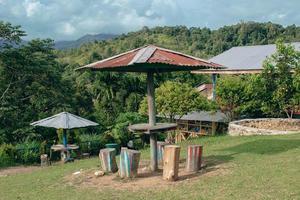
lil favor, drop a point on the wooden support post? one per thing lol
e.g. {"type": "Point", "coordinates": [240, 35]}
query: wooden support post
{"type": "Point", "coordinates": [160, 151]}
{"type": "Point", "coordinates": [65, 142]}
{"type": "Point", "coordinates": [153, 151]}
{"type": "Point", "coordinates": [193, 158]}
{"type": "Point", "coordinates": [44, 160]}
{"type": "Point", "coordinates": [108, 160]}
{"type": "Point", "coordinates": [214, 82]}
{"type": "Point", "coordinates": [65, 155]}
{"type": "Point", "coordinates": [152, 120]}
{"type": "Point", "coordinates": [151, 99]}
{"type": "Point", "coordinates": [213, 128]}
{"type": "Point", "coordinates": [171, 162]}
{"type": "Point", "coordinates": [129, 163]}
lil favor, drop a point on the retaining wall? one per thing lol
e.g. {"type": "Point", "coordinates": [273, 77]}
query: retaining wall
{"type": "Point", "coordinates": [237, 128]}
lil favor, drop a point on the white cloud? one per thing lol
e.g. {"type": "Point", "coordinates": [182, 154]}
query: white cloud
{"type": "Point", "coordinates": [280, 16]}
{"type": "Point", "coordinates": [68, 29]}
{"type": "Point", "coordinates": [70, 19]}
{"type": "Point", "coordinates": [32, 7]}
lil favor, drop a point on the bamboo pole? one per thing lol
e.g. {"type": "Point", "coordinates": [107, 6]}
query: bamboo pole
{"type": "Point", "coordinates": [152, 120]}
{"type": "Point", "coordinates": [171, 162]}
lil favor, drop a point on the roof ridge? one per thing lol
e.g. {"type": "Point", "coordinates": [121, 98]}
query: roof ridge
{"type": "Point", "coordinates": [143, 54]}
{"type": "Point", "coordinates": [109, 58]}
{"type": "Point", "coordinates": [262, 45]}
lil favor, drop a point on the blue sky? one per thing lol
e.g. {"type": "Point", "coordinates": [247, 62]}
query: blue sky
{"type": "Point", "coordinates": [71, 19]}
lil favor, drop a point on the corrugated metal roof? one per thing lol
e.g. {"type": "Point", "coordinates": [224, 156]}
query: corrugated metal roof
{"type": "Point", "coordinates": [157, 59]}
{"type": "Point", "coordinates": [64, 120]}
{"type": "Point", "coordinates": [217, 116]}
{"type": "Point", "coordinates": [247, 57]}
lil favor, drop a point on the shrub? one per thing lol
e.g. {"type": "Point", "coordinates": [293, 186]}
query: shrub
{"type": "Point", "coordinates": [28, 152]}
{"type": "Point", "coordinates": [7, 154]}
{"type": "Point", "coordinates": [91, 143]}
{"type": "Point", "coordinates": [120, 131]}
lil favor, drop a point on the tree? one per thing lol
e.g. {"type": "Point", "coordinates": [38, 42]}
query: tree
{"type": "Point", "coordinates": [174, 98]}
{"type": "Point", "coordinates": [280, 79]}
{"type": "Point", "coordinates": [10, 33]}
{"type": "Point", "coordinates": [230, 95]}
{"type": "Point", "coordinates": [31, 88]}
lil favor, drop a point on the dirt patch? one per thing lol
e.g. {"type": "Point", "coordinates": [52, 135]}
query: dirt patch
{"type": "Point", "coordinates": [145, 180]}
{"type": "Point", "coordinates": [18, 170]}
{"type": "Point", "coordinates": [280, 125]}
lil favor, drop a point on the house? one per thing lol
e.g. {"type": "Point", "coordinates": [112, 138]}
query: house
{"type": "Point", "coordinates": [243, 59]}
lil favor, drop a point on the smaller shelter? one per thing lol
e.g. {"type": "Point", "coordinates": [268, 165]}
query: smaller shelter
{"type": "Point", "coordinates": [199, 123]}
{"type": "Point", "coordinates": [64, 121]}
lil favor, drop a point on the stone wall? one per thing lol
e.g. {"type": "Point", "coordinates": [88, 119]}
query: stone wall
{"type": "Point", "coordinates": [240, 127]}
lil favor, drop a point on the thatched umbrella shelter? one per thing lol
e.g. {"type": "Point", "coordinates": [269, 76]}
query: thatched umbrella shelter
{"type": "Point", "coordinates": [151, 59]}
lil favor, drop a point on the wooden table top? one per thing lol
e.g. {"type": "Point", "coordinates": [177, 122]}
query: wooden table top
{"type": "Point", "coordinates": [146, 128]}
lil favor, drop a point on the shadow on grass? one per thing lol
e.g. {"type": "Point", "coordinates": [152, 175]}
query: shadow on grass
{"type": "Point", "coordinates": [265, 146]}
{"type": "Point", "coordinates": [209, 164]}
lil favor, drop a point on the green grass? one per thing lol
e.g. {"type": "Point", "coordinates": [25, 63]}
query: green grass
{"type": "Point", "coordinates": [258, 167]}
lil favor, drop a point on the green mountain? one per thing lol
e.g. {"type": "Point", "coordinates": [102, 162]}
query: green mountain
{"type": "Point", "coordinates": [200, 42]}
{"type": "Point", "coordinates": [85, 39]}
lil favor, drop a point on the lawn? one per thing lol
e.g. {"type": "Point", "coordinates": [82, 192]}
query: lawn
{"type": "Point", "coordinates": [254, 167]}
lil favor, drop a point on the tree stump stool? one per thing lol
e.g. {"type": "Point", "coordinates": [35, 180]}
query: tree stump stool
{"type": "Point", "coordinates": [193, 158]}
{"type": "Point", "coordinates": [44, 160]}
{"type": "Point", "coordinates": [171, 162]}
{"type": "Point", "coordinates": [129, 163]}
{"type": "Point", "coordinates": [160, 151]}
{"type": "Point", "coordinates": [108, 160]}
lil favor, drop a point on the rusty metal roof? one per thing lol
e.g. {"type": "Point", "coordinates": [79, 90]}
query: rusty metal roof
{"type": "Point", "coordinates": [151, 58]}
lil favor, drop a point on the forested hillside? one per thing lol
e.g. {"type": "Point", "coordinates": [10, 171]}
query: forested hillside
{"type": "Point", "coordinates": [200, 42]}
{"type": "Point", "coordinates": [37, 81]}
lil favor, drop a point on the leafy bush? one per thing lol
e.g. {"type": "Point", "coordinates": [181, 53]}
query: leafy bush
{"type": "Point", "coordinates": [176, 98]}
{"type": "Point", "coordinates": [91, 143]}
{"type": "Point", "coordinates": [120, 131]}
{"type": "Point", "coordinates": [28, 152]}
{"type": "Point", "coordinates": [7, 154]}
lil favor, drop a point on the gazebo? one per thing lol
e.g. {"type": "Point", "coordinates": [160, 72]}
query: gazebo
{"type": "Point", "coordinates": [151, 59]}
{"type": "Point", "coordinates": [65, 121]}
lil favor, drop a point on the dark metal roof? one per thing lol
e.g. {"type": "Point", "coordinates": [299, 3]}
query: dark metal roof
{"type": "Point", "coordinates": [151, 58]}
{"type": "Point", "coordinates": [244, 59]}
{"type": "Point", "coordinates": [204, 116]}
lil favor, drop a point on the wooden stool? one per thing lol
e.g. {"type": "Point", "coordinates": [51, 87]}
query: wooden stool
{"type": "Point", "coordinates": [171, 162]}
{"type": "Point", "coordinates": [44, 160]}
{"type": "Point", "coordinates": [193, 158]}
{"type": "Point", "coordinates": [129, 163]}
{"type": "Point", "coordinates": [160, 151]}
{"type": "Point", "coordinates": [108, 160]}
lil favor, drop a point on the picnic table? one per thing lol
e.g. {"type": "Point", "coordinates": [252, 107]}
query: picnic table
{"type": "Point", "coordinates": [64, 151]}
